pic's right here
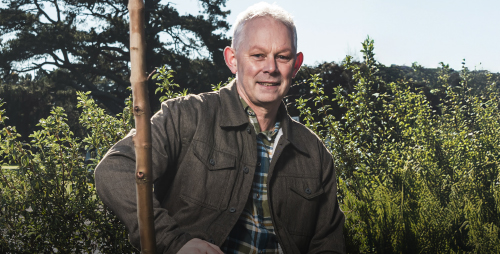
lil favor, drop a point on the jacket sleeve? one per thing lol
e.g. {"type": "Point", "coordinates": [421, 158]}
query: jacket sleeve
{"type": "Point", "coordinates": [328, 237]}
{"type": "Point", "coordinates": [115, 179]}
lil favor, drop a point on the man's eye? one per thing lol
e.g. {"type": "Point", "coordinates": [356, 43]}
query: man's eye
{"type": "Point", "coordinates": [281, 57]}
{"type": "Point", "coordinates": [258, 55]}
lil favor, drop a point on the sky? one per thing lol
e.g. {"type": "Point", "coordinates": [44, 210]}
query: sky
{"type": "Point", "coordinates": [404, 32]}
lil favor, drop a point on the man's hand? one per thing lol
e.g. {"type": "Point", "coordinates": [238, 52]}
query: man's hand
{"type": "Point", "coordinates": [198, 246]}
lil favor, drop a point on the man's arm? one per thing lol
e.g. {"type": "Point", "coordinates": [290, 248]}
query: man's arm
{"type": "Point", "coordinates": [115, 179]}
{"type": "Point", "coordinates": [330, 220]}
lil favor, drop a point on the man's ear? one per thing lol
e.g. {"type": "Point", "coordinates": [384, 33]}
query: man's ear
{"type": "Point", "coordinates": [298, 63]}
{"type": "Point", "coordinates": [230, 58]}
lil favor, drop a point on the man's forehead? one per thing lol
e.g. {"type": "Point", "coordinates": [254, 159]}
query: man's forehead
{"type": "Point", "coordinates": [263, 22]}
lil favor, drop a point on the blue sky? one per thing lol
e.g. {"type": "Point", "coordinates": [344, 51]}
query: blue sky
{"type": "Point", "coordinates": [427, 32]}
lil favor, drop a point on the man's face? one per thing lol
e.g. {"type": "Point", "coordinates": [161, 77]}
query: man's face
{"type": "Point", "coordinates": [265, 62]}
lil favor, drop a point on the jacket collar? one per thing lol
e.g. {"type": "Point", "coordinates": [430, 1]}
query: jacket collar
{"type": "Point", "coordinates": [291, 132]}
{"type": "Point", "coordinates": [234, 116]}
{"type": "Point", "coordinates": [231, 110]}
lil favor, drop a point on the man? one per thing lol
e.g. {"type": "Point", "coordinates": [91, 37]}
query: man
{"type": "Point", "coordinates": [233, 172]}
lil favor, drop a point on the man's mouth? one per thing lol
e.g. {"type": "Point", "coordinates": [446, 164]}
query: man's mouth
{"type": "Point", "coordinates": [269, 83]}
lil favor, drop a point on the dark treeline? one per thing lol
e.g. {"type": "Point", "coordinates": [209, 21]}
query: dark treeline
{"type": "Point", "coordinates": [418, 78]}
{"type": "Point", "coordinates": [86, 43]}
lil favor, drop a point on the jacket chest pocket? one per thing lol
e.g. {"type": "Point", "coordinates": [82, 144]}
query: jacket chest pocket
{"type": "Point", "coordinates": [302, 204]}
{"type": "Point", "coordinates": [207, 176]}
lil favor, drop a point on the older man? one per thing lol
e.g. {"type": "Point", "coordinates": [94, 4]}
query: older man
{"type": "Point", "coordinates": [233, 172]}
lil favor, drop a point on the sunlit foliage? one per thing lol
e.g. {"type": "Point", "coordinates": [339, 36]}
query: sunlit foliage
{"type": "Point", "coordinates": [412, 180]}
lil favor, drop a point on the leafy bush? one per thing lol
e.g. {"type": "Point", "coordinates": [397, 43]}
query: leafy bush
{"type": "Point", "coordinates": [49, 202]}
{"type": "Point", "coordinates": [412, 180]}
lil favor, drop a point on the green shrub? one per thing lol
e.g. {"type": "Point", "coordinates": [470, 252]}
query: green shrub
{"type": "Point", "coordinates": [412, 180]}
{"type": "Point", "coordinates": [48, 201]}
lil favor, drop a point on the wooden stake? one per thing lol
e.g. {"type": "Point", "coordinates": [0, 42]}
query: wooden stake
{"type": "Point", "coordinates": [142, 138]}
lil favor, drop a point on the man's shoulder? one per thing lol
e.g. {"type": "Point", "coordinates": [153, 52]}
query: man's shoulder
{"type": "Point", "coordinates": [201, 99]}
{"type": "Point", "coordinates": [302, 131]}
{"type": "Point", "coordinates": [198, 98]}
{"type": "Point", "coordinates": [205, 101]}
{"type": "Point", "coordinates": [306, 138]}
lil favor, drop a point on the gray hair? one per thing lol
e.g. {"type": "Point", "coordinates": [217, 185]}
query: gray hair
{"type": "Point", "coordinates": [263, 9]}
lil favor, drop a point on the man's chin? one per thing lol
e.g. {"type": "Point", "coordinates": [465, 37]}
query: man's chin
{"type": "Point", "coordinates": [268, 101]}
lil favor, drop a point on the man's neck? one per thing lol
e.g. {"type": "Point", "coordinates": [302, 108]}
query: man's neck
{"type": "Point", "coordinates": [266, 115]}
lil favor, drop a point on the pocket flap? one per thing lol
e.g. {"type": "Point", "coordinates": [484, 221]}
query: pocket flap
{"type": "Point", "coordinates": [213, 159]}
{"type": "Point", "coordinates": [308, 188]}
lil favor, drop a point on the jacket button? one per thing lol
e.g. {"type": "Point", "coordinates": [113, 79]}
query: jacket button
{"type": "Point", "coordinates": [232, 209]}
{"type": "Point", "coordinates": [249, 130]}
{"type": "Point", "coordinates": [308, 191]}
{"type": "Point", "coordinates": [212, 162]}
{"type": "Point", "coordinates": [245, 169]}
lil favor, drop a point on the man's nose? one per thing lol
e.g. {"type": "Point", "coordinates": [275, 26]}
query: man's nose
{"type": "Point", "coordinates": [270, 65]}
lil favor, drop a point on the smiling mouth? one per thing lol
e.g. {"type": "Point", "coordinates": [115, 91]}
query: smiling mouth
{"type": "Point", "coordinates": [269, 83]}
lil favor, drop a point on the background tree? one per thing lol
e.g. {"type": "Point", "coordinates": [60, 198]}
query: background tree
{"type": "Point", "coordinates": [89, 40]}
{"type": "Point", "coordinates": [28, 99]}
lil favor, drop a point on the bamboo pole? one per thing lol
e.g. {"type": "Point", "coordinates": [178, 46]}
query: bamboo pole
{"type": "Point", "coordinates": [142, 138]}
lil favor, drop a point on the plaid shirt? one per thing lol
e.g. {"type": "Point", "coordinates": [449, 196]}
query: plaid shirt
{"type": "Point", "coordinates": [254, 231]}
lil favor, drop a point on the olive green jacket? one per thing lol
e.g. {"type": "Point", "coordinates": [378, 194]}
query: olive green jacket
{"type": "Point", "coordinates": [204, 159]}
